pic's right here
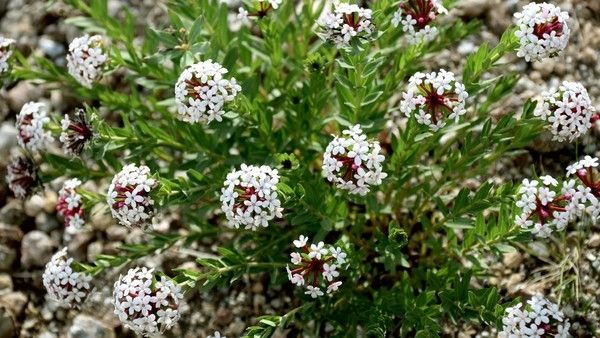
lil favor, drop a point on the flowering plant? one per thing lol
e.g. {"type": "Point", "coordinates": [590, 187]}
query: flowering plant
{"type": "Point", "coordinates": [217, 142]}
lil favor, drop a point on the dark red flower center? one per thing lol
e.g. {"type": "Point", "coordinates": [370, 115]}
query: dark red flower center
{"type": "Point", "coordinates": [25, 122]}
{"type": "Point", "coordinates": [420, 10]}
{"type": "Point", "coordinates": [541, 29]}
{"type": "Point", "coordinates": [587, 177]}
{"type": "Point", "coordinates": [351, 168]}
{"type": "Point", "coordinates": [245, 194]}
{"type": "Point", "coordinates": [436, 104]}
{"type": "Point", "coordinates": [311, 269]}
{"type": "Point", "coordinates": [545, 212]}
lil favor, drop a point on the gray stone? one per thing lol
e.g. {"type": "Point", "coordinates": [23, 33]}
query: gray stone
{"type": "Point", "coordinates": [13, 213]}
{"type": "Point", "coordinates": [20, 94]}
{"type": "Point", "coordinates": [36, 249]}
{"type": "Point", "coordinates": [594, 241]}
{"type": "Point", "coordinates": [471, 8]}
{"type": "Point", "coordinates": [34, 205]}
{"type": "Point", "coordinates": [46, 334]}
{"type": "Point", "coordinates": [87, 327]}
{"type": "Point", "coordinates": [14, 302]}
{"type": "Point", "coordinates": [45, 222]}
{"type": "Point", "coordinates": [512, 260]}
{"type": "Point", "coordinates": [78, 244]}
{"type": "Point", "coordinates": [7, 325]}
{"type": "Point", "coordinates": [50, 47]}
{"type": "Point", "coordinates": [93, 250]}
{"type": "Point", "coordinates": [8, 137]}
{"type": "Point", "coordinates": [6, 283]}
{"type": "Point", "coordinates": [100, 218]}
{"type": "Point", "coordinates": [116, 233]}
{"type": "Point", "coordinates": [8, 256]}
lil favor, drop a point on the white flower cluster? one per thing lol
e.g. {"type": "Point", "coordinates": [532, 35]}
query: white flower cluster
{"type": "Point", "coordinates": [64, 285]}
{"type": "Point", "coordinates": [145, 304]}
{"type": "Point", "coordinates": [316, 264]}
{"type": "Point", "coordinates": [6, 46]}
{"type": "Point", "coordinates": [434, 98]}
{"type": "Point", "coordinates": [538, 318]}
{"type": "Point", "coordinates": [416, 16]}
{"type": "Point", "coordinates": [542, 31]}
{"type": "Point", "coordinates": [586, 194]}
{"type": "Point", "coordinates": [249, 197]}
{"type": "Point", "coordinates": [86, 58]}
{"type": "Point", "coordinates": [347, 22]}
{"type": "Point", "coordinates": [129, 196]}
{"type": "Point", "coordinates": [70, 206]}
{"type": "Point", "coordinates": [353, 163]}
{"type": "Point", "coordinates": [568, 110]}
{"type": "Point", "coordinates": [201, 92]}
{"type": "Point", "coordinates": [544, 207]}
{"type": "Point", "coordinates": [31, 124]}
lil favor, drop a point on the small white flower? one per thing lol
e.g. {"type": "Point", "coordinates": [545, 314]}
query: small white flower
{"type": "Point", "coordinates": [313, 291]}
{"type": "Point", "coordinates": [86, 59]}
{"type": "Point", "coordinates": [146, 304]}
{"type": "Point", "coordinates": [63, 284]}
{"type": "Point", "coordinates": [301, 241]}
{"type": "Point", "coordinates": [329, 271]}
{"type": "Point", "coordinates": [317, 251]}
{"type": "Point", "coordinates": [296, 258]}
{"type": "Point", "coordinates": [333, 286]}
{"type": "Point", "coordinates": [549, 180]}
{"type": "Point", "coordinates": [542, 31]}
{"type": "Point", "coordinates": [338, 254]}
{"type": "Point", "coordinates": [31, 125]}
{"type": "Point", "coordinates": [201, 92]}
{"type": "Point", "coordinates": [242, 14]}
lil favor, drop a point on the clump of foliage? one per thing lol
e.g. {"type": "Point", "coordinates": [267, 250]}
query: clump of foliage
{"type": "Point", "coordinates": [230, 125]}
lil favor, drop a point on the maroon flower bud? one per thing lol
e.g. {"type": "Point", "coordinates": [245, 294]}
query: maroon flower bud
{"type": "Point", "coordinates": [21, 176]}
{"type": "Point", "coordinates": [76, 132]}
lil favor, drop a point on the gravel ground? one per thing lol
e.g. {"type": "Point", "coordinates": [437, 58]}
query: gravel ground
{"type": "Point", "coordinates": [30, 232]}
